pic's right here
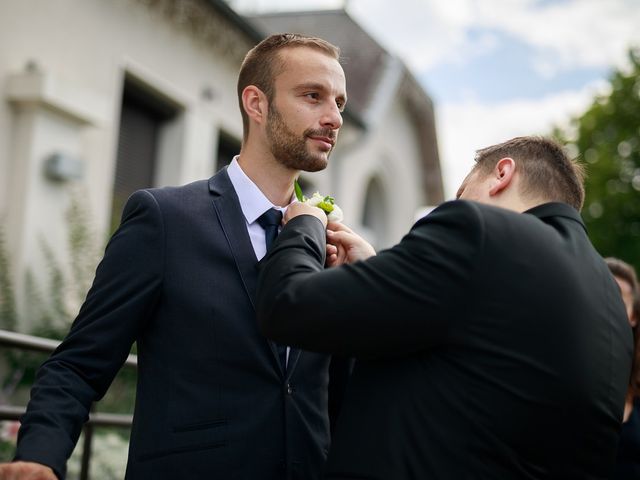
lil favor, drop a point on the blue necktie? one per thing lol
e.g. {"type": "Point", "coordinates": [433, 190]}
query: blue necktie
{"type": "Point", "coordinates": [270, 221]}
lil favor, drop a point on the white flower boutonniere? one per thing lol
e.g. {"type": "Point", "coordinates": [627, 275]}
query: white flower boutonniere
{"type": "Point", "coordinates": [326, 204]}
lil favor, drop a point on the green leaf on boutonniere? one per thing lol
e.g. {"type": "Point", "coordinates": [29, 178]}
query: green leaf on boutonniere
{"type": "Point", "coordinates": [298, 190]}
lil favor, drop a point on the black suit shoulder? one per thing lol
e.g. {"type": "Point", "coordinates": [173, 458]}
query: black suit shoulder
{"type": "Point", "coordinates": [178, 198]}
{"type": "Point", "coordinates": [456, 224]}
{"type": "Point", "coordinates": [180, 192]}
{"type": "Point", "coordinates": [531, 359]}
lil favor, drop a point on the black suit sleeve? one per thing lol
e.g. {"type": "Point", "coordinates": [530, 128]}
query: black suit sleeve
{"type": "Point", "coordinates": [401, 301]}
{"type": "Point", "coordinates": [123, 294]}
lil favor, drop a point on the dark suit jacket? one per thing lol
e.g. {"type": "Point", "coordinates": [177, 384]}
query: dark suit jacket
{"type": "Point", "coordinates": [179, 278]}
{"type": "Point", "coordinates": [490, 344]}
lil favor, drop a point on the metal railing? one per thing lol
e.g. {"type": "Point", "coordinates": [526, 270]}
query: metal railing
{"type": "Point", "coordinates": [31, 343]}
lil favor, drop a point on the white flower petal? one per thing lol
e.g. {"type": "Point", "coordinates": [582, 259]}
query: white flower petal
{"type": "Point", "coordinates": [336, 215]}
{"type": "Point", "coordinates": [315, 200]}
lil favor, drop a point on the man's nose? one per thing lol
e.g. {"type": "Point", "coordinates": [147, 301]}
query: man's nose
{"type": "Point", "coordinates": [332, 118]}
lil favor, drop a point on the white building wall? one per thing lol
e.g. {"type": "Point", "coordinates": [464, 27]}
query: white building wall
{"type": "Point", "coordinates": [389, 151]}
{"type": "Point", "coordinates": [68, 100]}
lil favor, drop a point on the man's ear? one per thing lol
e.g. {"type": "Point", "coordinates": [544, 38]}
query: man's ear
{"type": "Point", "coordinates": [255, 103]}
{"type": "Point", "coordinates": [503, 173]}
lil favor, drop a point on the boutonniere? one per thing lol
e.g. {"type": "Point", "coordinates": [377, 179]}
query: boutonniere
{"type": "Point", "coordinates": [326, 204]}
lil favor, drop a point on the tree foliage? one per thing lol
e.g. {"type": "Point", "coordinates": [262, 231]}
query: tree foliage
{"type": "Point", "coordinates": [607, 137]}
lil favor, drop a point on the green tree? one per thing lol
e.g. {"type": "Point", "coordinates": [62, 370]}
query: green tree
{"type": "Point", "coordinates": [607, 137]}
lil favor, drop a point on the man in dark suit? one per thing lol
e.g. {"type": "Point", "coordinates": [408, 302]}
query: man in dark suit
{"type": "Point", "coordinates": [215, 399]}
{"type": "Point", "coordinates": [491, 342]}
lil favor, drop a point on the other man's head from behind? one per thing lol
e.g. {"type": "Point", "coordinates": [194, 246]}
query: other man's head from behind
{"type": "Point", "coordinates": [524, 172]}
{"type": "Point", "coordinates": [291, 91]}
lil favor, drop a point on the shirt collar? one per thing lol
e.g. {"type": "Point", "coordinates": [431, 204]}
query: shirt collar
{"type": "Point", "coordinates": [252, 201]}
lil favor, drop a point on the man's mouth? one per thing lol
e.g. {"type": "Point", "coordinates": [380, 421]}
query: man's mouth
{"type": "Point", "coordinates": [326, 143]}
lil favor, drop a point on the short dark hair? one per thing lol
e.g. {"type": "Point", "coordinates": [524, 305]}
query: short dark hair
{"type": "Point", "coordinates": [627, 273]}
{"type": "Point", "coordinates": [262, 64]}
{"type": "Point", "coordinates": [548, 172]}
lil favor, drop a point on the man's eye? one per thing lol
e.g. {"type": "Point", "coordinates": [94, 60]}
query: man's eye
{"type": "Point", "coordinates": [312, 95]}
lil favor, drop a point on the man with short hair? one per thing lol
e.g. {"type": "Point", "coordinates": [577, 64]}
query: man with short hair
{"type": "Point", "coordinates": [491, 342]}
{"type": "Point", "coordinates": [215, 399]}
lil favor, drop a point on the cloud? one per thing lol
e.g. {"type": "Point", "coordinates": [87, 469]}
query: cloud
{"type": "Point", "coordinates": [423, 33]}
{"type": "Point", "coordinates": [562, 35]}
{"type": "Point", "coordinates": [568, 34]}
{"type": "Point", "coordinates": [469, 125]}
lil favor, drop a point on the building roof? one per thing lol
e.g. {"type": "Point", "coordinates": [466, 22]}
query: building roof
{"type": "Point", "coordinates": [236, 19]}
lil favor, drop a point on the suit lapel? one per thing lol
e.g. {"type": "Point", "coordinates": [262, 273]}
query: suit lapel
{"type": "Point", "coordinates": [233, 224]}
{"type": "Point", "coordinates": [227, 206]}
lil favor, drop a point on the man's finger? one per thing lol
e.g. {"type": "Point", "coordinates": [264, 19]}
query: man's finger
{"type": "Point", "coordinates": [338, 227]}
{"type": "Point", "coordinates": [340, 238]}
{"type": "Point", "coordinates": [332, 260]}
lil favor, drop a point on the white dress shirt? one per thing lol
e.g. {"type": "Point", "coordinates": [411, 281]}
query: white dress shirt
{"type": "Point", "coordinates": [253, 204]}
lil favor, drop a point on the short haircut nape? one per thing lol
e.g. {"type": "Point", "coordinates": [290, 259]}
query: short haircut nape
{"type": "Point", "coordinates": [547, 171]}
{"type": "Point", "coordinates": [263, 64]}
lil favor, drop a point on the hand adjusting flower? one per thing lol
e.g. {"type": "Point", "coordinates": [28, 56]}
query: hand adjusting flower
{"type": "Point", "coordinates": [326, 204]}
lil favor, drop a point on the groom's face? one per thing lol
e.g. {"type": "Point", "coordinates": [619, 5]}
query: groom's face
{"type": "Point", "coordinates": [305, 113]}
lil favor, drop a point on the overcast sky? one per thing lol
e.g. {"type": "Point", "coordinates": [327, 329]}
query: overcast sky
{"type": "Point", "coordinates": [495, 69]}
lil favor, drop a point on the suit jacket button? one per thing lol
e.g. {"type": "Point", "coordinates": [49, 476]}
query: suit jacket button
{"type": "Point", "coordinates": [290, 389]}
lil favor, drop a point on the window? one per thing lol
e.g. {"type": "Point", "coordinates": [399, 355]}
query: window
{"type": "Point", "coordinates": [228, 147]}
{"type": "Point", "coordinates": [141, 117]}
